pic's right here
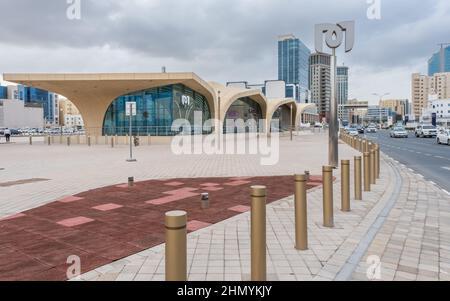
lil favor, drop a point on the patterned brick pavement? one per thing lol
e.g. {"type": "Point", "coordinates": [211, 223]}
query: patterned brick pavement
{"type": "Point", "coordinates": [107, 224]}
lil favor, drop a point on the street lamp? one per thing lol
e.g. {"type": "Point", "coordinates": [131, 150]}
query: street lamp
{"type": "Point", "coordinates": [334, 36]}
{"type": "Point", "coordinates": [379, 103]}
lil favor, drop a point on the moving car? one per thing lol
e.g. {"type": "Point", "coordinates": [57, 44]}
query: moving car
{"type": "Point", "coordinates": [371, 129]}
{"type": "Point", "coordinates": [360, 129]}
{"type": "Point", "coordinates": [352, 132]}
{"type": "Point", "coordinates": [424, 130]}
{"type": "Point", "coordinates": [399, 132]}
{"type": "Point", "coordinates": [443, 137]}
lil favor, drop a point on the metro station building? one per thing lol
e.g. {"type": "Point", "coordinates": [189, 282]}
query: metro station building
{"type": "Point", "coordinates": [162, 98]}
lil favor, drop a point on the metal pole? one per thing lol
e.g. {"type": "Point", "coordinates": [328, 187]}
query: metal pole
{"type": "Point", "coordinates": [358, 192]}
{"type": "Point", "coordinates": [131, 136]}
{"type": "Point", "coordinates": [89, 140]}
{"type": "Point", "coordinates": [258, 233]}
{"type": "Point", "coordinates": [31, 140]}
{"type": "Point", "coordinates": [366, 171]}
{"type": "Point", "coordinates": [130, 181]}
{"type": "Point", "coordinates": [333, 152]}
{"type": "Point", "coordinates": [68, 140]}
{"type": "Point", "coordinates": [301, 224]}
{"type": "Point", "coordinates": [48, 140]}
{"type": "Point", "coordinates": [205, 200]}
{"type": "Point", "coordinates": [327, 179]}
{"type": "Point", "coordinates": [176, 245]}
{"type": "Point", "coordinates": [345, 185]}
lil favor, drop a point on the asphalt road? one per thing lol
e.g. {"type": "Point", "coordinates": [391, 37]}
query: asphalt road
{"type": "Point", "coordinates": [423, 155]}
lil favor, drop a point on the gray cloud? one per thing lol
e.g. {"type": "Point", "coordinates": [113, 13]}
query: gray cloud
{"type": "Point", "coordinates": [221, 40]}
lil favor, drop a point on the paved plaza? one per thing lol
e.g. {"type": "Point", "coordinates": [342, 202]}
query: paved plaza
{"type": "Point", "coordinates": [403, 221]}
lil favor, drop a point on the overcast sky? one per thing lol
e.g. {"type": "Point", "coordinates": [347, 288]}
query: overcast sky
{"type": "Point", "coordinates": [220, 40]}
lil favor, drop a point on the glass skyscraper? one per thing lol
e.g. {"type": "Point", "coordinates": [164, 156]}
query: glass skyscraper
{"type": "Point", "coordinates": [48, 100]}
{"type": "Point", "coordinates": [293, 64]}
{"type": "Point", "coordinates": [434, 63]}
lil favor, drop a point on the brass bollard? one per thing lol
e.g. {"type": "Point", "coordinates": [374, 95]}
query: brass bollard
{"type": "Point", "coordinates": [377, 160]}
{"type": "Point", "coordinates": [345, 185]}
{"type": "Point", "coordinates": [366, 171]}
{"type": "Point", "coordinates": [130, 181]}
{"type": "Point", "coordinates": [78, 139]}
{"type": "Point", "coordinates": [48, 140]}
{"type": "Point", "coordinates": [358, 192]}
{"type": "Point", "coordinates": [372, 167]}
{"type": "Point", "coordinates": [112, 142]}
{"type": "Point", "coordinates": [68, 141]}
{"type": "Point", "coordinates": [258, 233]}
{"type": "Point", "coordinates": [31, 140]}
{"type": "Point", "coordinates": [176, 245]}
{"type": "Point", "coordinates": [360, 145]}
{"type": "Point", "coordinates": [301, 218]}
{"type": "Point", "coordinates": [327, 179]}
{"type": "Point", "coordinates": [89, 140]}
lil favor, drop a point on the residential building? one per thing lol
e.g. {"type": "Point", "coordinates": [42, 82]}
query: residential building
{"type": "Point", "coordinates": [422, 86]}
{"type": "Point", "coordinates": [69, 115]}
{"type": "Point", "coordinates": [320, 82]}
{"type": "Point", "coordinates": [342, 91]}
{"type": "Point", "coordinates": [439, 61]}
{"type": "Point", "coordinates": [73, 121]}
{"type": "Point", "coordinates": [440, 108]}
{"type": "Point", "coordinates": [15, 113]}
{"type": "Point", "coordinates": [293, 66]}
{"type": "Point", "coordinates": [398, 106]}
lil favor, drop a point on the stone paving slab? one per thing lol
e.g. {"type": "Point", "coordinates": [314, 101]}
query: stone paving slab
{"type": "Point", "coordinates": [222, 251]}
{"type": "Point", "coordinates": [414, 242]}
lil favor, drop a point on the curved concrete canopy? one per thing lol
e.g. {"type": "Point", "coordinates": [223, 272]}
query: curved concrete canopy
{"type": "Point", "coordinates": [93, 93]}
{"type": "Point", "coordinates": [274, 104]}
{"type": "Point", "coordinates": [302, 108]}
{"type": "Point", "coordinates": [228, 95]}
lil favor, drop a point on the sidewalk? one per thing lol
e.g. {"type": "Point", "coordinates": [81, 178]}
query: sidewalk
{"type": "Point", "coordinates": [222, 251]}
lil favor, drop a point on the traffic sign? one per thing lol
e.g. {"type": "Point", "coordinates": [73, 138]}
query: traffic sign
{"type": "Point", "coordinates": [130, 106]}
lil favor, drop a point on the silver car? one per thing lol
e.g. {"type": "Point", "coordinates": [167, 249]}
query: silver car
{"type": "Point", "coordinates": [399, 132]}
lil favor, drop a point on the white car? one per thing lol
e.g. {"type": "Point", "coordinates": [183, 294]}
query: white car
{"type": "Point", "coordinates": [371, 129]}
{"type": "Point", "coordinates": [425, 131]}
{"type": "Point", "coordinates": [443, 137]}
{"type": "Point", "coordinates": [353, 132]}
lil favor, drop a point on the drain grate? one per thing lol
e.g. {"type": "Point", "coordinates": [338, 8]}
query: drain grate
{"type": "Point", "coordinates": [21, 182]}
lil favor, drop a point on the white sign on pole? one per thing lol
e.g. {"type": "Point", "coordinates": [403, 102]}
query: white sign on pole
{"type": "Point", "coordinates": [130, 105]}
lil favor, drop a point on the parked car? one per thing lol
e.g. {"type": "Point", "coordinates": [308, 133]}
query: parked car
{"type": "Point", "coordinates": [360, 129]}
{"type": "Point", "coordinates": [443, 137]}
{"type": "Point", "coordinates": [399, 132]}
{"type": "Point", "coordinates": [425, 131]}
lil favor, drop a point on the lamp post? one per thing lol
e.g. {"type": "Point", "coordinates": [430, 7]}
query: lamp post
{"type": "Point", "coordinates": [333, 38]}
{"type": "Point", "coordinates": [379, 103]}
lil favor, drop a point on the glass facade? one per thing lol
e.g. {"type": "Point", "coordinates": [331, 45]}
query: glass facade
{"type": "Point", "coordinates": [434, 63]}
{"type": "Point", "coordinates": [156, 109]}
{"type": "Point", "coordinates": [293, 63]}
{"type": "Point", "coordinates": [3, 92]}
{"type": "Point", "coordinates": [244, 109]}
{"type": "Point", "coordinates": [47, 99]}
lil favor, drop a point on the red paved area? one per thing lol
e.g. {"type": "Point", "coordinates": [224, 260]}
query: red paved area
{"type": "Point", "coordinates": [107, 224]}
